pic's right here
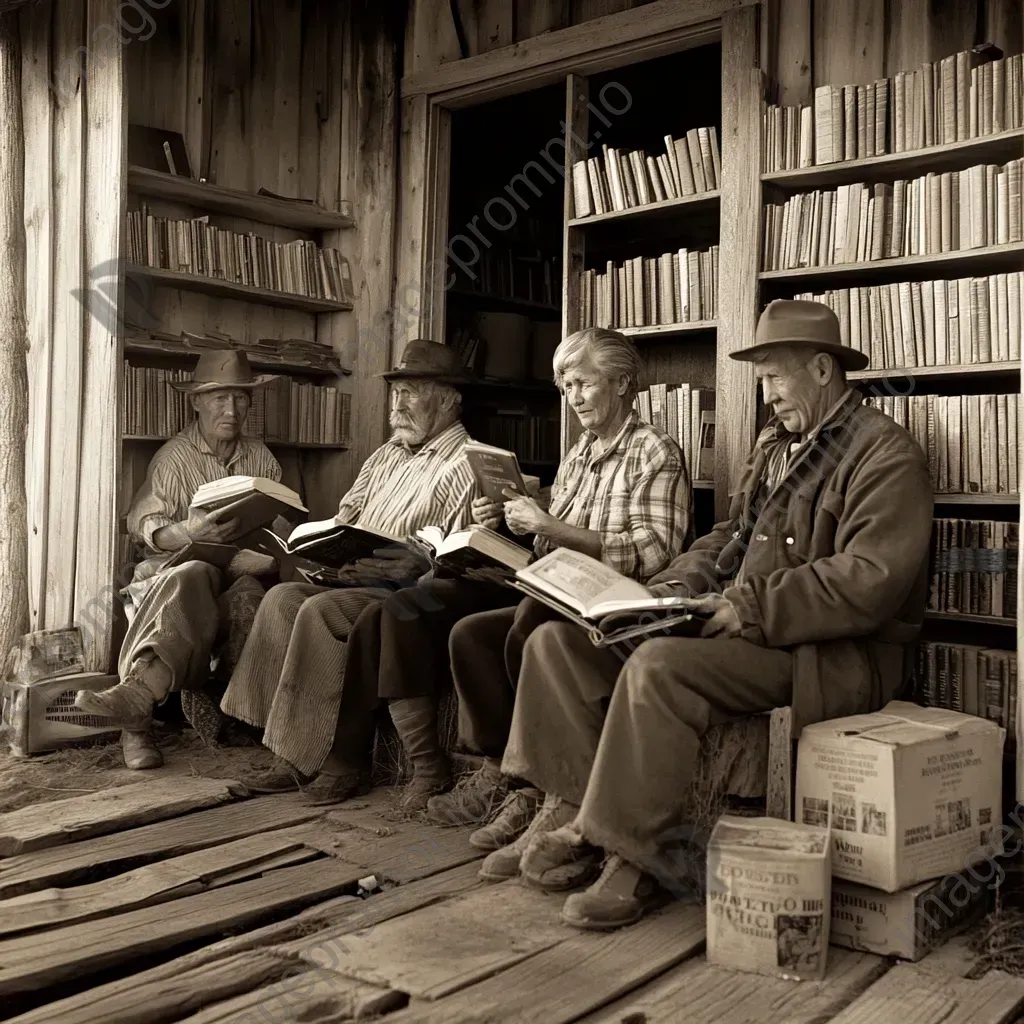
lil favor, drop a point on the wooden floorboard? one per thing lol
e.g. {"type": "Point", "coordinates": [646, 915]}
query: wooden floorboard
{"type": "Point", "coordinates": [110, 810]}
{"type": "Point", "coordinates": [135, 847]}
{"type": "Point", "coordinates": [706, 994]}
{"type": "Point", "coordinates": [909, 995]}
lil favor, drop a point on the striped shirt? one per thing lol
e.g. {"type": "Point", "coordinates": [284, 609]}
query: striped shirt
{"type": "Point", "coordinates": [178, 469]}
{"type": "Point", "coordinates": [635, 493]}
{"type": "Point", "coordinates": [400, 490]}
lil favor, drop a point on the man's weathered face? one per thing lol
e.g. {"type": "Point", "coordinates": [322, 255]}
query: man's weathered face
{"type": "Point", "coordinates": [416, 408]}
{"type": "Point", "coordinates": [794, 383]}
{"type": "Point", "coordinates": [222, 413]}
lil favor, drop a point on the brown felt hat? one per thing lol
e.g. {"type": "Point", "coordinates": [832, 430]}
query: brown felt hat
{"type": "Point", "coordinates": [222, 368]}
{"type": "Point", "coordinates": [797, 322]}
{"type": "Point", "coordinates": [429, 360]}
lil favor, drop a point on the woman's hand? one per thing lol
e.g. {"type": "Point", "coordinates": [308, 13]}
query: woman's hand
{"type": "Point", "coordinates": [524, 515]}
{"type": "Point", "coordinates": [487, 513]}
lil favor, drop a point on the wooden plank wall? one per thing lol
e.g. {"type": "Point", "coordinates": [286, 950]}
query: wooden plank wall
{"type": "Point", "coordinates": [297, 96]}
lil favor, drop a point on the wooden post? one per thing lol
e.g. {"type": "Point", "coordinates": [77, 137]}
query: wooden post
{"type": "Point", "coordinates": [13, 342]}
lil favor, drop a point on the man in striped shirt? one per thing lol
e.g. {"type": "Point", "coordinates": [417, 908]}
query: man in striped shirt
{"type": "Point", "coordinates": [290, 677]}
{"type": "Point", "coordinates": [175, 613]}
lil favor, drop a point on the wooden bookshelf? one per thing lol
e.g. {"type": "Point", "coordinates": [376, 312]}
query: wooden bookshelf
{"type": "Point", "coordinates": [258, 358]}
{"type": "Point", "coordinates": [231, 290]}
{"type": "Point", "coordinates": [703, 485]}
{"type": "Point", "coordinates": [270, 443]}
{"type": "Point", "coordinates": [978, 620]}
{"type": "Point", "coordinates": [236, 203]}
{"type": "Point", "coordinates": [661, 331]}
{"type": "Point", "coordinates": [989, 259]}
{"type": "Point", "coordinates": [652, 211]}
{"type": "Point", "coordinates": [977, 499]}
{"type": "Point", "coordinates": [950, 370]}
{"type": "Point", "coordinates": [997, 148]}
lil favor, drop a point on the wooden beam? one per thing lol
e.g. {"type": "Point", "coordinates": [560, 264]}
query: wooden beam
{"type": "Point", "coordinates": [600, 43]}
{"type": "Point", "coordinates": [792, 70]}
{"type": "Point", "coordinates": [13, 342]}
{"type": "Point", "coordinates": [740, 245]}
{"type": "Point", "coordinates": [849, 42]}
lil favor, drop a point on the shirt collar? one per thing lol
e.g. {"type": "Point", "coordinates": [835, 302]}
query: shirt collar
{"type": "Point", "coordinates": [589, 437]}
{"type": "Point", "coordinates": [195, 436]}
{"type": "Point", "coordinates": [775, 431]}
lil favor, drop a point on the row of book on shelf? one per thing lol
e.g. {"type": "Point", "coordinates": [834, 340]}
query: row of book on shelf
{"type": "Point", "coordinates": [284, 410]}
{"type": "Point", "coordinates": [198, 247]}
{"type": "Point", "coordinates": [974, 680]}
{"type": "Point", "coordinates": [974, 567]}
{"type": "Point", "coordinates": [935, 213]}
{"type": "Point", "coordinates": [622, 179]}
{"type": "Point", "coordinates": [970, 440]}
{"type": "Point", "coordinates": [950, 100]}
{"type": "Point", "coordinates": [687, 415]}
{"type": "Point", "coordinates": [506, 274]}
{"type": "Point", "coordinates": [533, 438]}
{"type": "Point", "coordinates": [931, 323]}
{"type": "Point", "coordinates": [676, 287]}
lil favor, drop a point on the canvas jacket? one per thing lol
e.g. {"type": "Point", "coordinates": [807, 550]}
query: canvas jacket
{"type": "Point", "coordinates": [834, 561]}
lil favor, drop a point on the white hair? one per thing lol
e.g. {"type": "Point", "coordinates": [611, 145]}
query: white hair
{"type": "Point", "coordinates": [611, 352]}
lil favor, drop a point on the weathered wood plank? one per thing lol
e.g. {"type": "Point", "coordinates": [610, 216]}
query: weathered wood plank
{"type": "Point", "coordinates": [488, 25]}
{"type": "Point", "coordinates": [793, 71]}
{"type": "Point", "coordinates": [135, 847]}
{"type": "Point", "coordinates": [63, 821]}
{"type": "Point", "coordinates": [30, 963]}
{"type": "Point", "coordinates": [1002, 24]}
{"type": "Point", "coordinates": [155, 883]}
{"type": "Point", "coordinates": [235, 965]}
{"type": "Point", "coordinates": [716, 995]}
{"type": "Point", "coordinates": [430, 36]}
{"type": "Point", "coordinates": [230, 62]}
{"type": "Point", "coordinates": [441, 949]}
{"type": "Point", "coordinates": [740, 244]}
{"type": "Point", "coordinates": [849, 41]}
{"type": "Point", "coordinates": [924, 30]}
{"type": "Point", "coordinates": [577, 976]}
{"type": "Point", "coordinates": [912, 996]}
{"type": "Point", "coordinates": [533, 17]}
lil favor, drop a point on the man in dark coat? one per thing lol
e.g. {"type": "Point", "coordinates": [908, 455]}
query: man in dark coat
{"type": "Point", "coordinates": [814, 589]}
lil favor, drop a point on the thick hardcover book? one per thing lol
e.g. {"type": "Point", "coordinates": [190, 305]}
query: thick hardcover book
{"type": "Point", "coordinates": [495, 469]}
{"type": "Point", "coordinates": [254, 501]}
{"type": "Point", "coordinates": [475, 548]}
{"type": "Point", "coordinates": [324, 543]}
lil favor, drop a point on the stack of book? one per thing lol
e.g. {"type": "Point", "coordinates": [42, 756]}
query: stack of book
{"type": "Point", "coordinates": [975, 680]}
{"type": "Point", "coordinates": [935, 213]}
{"type": "Point", "coordinates": [623, 179]}
{"type": "Point", "coordinates": [970, 440]}
{"type": "Point", "coordinates": [687, 414]}
{"type": "Point", "coordinates": [974, 567]}
{"type": "Point", "coordinates": [198, 247]}
{"type": "Point", "coordinates": [947, 100]}
{"type": "Point", "coordinates": [676, 287]}
{"type": "Point", "coordinates": [931, 323]}
{"type": "Point", "coordinates": [283, 411]}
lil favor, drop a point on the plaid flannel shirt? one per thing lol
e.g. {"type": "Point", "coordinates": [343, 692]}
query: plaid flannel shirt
{"type": "Point", "coordinates": [635, 493]}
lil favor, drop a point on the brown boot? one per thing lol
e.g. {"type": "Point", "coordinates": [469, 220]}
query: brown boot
{"type": "Point", "coordinates": [474, 799]}
{"type": "Point", "coordinates": [415, 721]}
{"type": "Point", "coordinates": [281, 777]}
{"type": "Point", "coordinates": [326, 790]}
{"type": "Point", "coordinates": [139, 749]}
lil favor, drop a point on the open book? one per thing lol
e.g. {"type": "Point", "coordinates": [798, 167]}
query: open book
{"type": "Point", "coordinates": [587, 591]}
{"type": "Point", "coordinates": [496, 469]}
{"type": "Point", "coordinates": [473, 548]}
{"type": "Point", "coordinates": [324, 542]}
{"type": "Point", "coordinates": [254, 501]}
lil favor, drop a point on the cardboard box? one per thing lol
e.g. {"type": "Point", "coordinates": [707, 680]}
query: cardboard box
{"type": "Point", "coordinates": [768, 888]}
{"type": "Point", "coordinates": [910, 793]}
{"type": "Point", "coordinates": [908, 923]}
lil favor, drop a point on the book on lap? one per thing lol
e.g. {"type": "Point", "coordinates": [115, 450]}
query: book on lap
{"type": "Point", "coordinates": [609, 606]}
{"type": "Point", "coordinates": [254, 501]}
{"type": "Point", "coordinates": [474, 548]}
{"type": "Point", "coordinates": [325, 543]}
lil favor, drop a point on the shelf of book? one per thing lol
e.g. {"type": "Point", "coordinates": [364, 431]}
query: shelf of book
{"type": "Point", "coordinates": [984, 259]}
{"type": "Point", "coordinates": [977, 499]}
{"type": "Point", "coordinates": [996, 148]}
{"type": "Point", "coordinates": [664, 331]}
{"type": "Point", "coordinates": [540, 386]}
{"type": "Point", "coordinates": [258, 358]}
{"type": "Point", "coordinates": [703, 485]}
{"type": "Point", "coordinates": [269, 442]}
{"type": "Point", "coordinates": [289, 213]}
{"type": "Point", "coordinates": [502, 304]}
{"type": "Point", "coordinates": [231, 290]}
{"type": "Point", "coordinates": [1003, 366]}
{"type": "Point", "coordinates": [979, 620]}
{"type": "Point", "coordinates": [652, 211]}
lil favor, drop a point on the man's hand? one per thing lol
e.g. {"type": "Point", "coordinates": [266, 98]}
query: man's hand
{"type": "Point", "coordinates": [395, 564]}
{"type": "Point", "coordinates": [722, 618]}
{"type": "Point", "coordinates": [524, 515]}
{"type": "Point", "coordinates": [204, 527]}
{"type": "Point", "coordinates": [487, 513]}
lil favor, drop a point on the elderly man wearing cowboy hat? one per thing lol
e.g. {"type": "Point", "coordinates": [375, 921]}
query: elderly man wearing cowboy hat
{"type": "Point", "coordinates": [813, 591]}
{"type": "Point", "coordinates": [175, 614]}
{"type": "Point", "coordinates": [289, 680]}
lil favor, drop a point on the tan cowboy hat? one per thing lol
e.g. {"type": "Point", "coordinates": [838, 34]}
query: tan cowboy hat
{"type": "Point", "coordinates": [222, 368]}
{"type": "Point", "coordinates": [797, 322]}
{"type": "Point", "coordinates": [429, 360]}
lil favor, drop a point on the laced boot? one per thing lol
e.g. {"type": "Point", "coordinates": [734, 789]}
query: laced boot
{"type": "Point", "coordinates": [474, 798]}
{"type": "Point", "coordinates": [519, 808]}
{"type": "Point", "coordinates": [415, 721]}
{"type": "Point", "coordinates": [621, 896]}
{"type": "Point", "coordinates": [504, 862]}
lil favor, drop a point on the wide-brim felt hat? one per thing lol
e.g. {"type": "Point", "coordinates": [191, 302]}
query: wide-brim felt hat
{"type": "Point", "coordinates": [799, 322]}
{"type": "Point", "coordinates": [429, 360]}
{"type": "Point", "coordinates": [223, 368]}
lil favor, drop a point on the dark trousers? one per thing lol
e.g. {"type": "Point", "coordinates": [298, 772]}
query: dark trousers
{"type": "Point", "coordinates": [486, 655]}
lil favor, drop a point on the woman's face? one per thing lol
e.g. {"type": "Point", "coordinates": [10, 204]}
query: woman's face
{"type": "Point", "coordinates": [598, 400]}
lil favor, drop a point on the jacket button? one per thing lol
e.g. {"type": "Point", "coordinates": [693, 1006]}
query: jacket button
{"type": "Point", "coordinates": [789, 540]}
{"type": "Point", "coordinates": [761, 536]}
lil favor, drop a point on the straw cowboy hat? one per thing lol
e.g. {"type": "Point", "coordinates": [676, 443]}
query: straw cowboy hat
{"type": "Point", "coordinates": [796, 322]}
{"type": "Point", "coordinates": [429, 360]}
{"type": "Point", "coordinates": [222, 368]}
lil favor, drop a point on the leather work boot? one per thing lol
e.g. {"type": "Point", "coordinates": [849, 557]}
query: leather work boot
{"type": "Point", "coordinates": [139, 749]}
{"type": "Point", "coordinates": [415, 721]}
{"type": "Point", "coordinates": [280, 777]}
{"type": "Point", "coordinates": [473, 799]}
{"type": "Point", "coordinates": [127, 701]}
{"type": "Point", "coordinates": [621, 896]}
{"type": "Point", "coordinates": [559, 860]}
{"type": "Point", "coordinates": [326, 789]}
{"type": "Point", "coordinates": [514, 816]}
{"type": "Point", "coordinates": [504, 862]}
